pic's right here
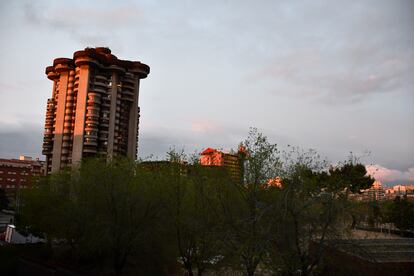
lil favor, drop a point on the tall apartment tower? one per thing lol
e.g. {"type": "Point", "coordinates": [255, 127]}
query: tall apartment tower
{"type": "Point", "coordinates": [94, 109]}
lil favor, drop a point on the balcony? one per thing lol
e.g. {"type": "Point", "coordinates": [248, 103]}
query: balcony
{"type": "Point", "coordinates": [100, 84]}
{"type": "Point", "coordinates": [97, 89]}
{"type": "Point", "coordinates": [89, 150]}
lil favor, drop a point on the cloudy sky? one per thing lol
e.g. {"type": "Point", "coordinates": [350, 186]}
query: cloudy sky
{"type": "Point", "coordinates": [335, 76]}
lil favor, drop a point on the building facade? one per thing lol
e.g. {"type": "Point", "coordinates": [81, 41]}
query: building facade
{"type": "Point", "coordinates": [375, 193]}
{"type": "Point", "coordinates": [233, 163]}
{"type": "Point", "coordinates": [16, 174]}
{"type": "Point", "coordinates": [94, 108]}
{"type": "Point", "coordinates": [401, 191]}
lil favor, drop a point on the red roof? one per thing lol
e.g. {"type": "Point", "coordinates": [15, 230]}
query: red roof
{"type": "Point", "coordinates": [208, 151]}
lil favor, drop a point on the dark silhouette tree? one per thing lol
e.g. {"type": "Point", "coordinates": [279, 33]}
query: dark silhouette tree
{"type": "Point", "coordinates": [4, 201]}
{"type": "Point", "coordinates": [402, 213]}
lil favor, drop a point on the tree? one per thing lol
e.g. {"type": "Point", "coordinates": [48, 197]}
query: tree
{"type": "Point", "coordinates": [179, 210]}
{"type": "Point", "coordinates": [191, 207]}
{"type": "Point", "coordinates": [402, 213]}
{"type": "Point", "coordinates": [106, 212]}
{"type": "Point", "coordinates": [309, 209]}
{"type": "Point", "coordinates": [244, 210]}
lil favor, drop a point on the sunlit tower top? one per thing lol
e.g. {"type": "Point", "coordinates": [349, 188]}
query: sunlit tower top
{"type": "Point", "coordinates": [94, 109]}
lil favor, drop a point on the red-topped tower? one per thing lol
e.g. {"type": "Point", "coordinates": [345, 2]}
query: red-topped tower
{"type": "Point", "coordinates": [94, 107]}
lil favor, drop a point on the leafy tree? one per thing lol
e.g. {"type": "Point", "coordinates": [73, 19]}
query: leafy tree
{"type": "Point", "coordinates": [402, 213]}
{"type": "Point", "coordinates": [121, 212]}
{"type": "Point", "coordinates": [106, 212]}
{"type": "Point", "coordinates": [374, 213]}
{"type": "Point", "coordinates": [309, 209]}
{"type": "Point", "coordinates": [245, 210]}
{"type": "Point", "coordinates": [191, 200]}
{"type": "Point", "coordinates": [358, 211]}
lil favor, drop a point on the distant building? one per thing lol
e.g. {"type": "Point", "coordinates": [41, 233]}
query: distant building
{"type": "Point", "coordinates": [16, 174]}
{"type": "Point", "coordinates": [233, 163]}
{"type": "Point", "coordinates": [274, 182]}
{"type": "Point", "coordinates": [400, 190]}
{"type": "Point", "coordinates": [94, 109]}
{"type": "Point", "coordinates": [376, 192]}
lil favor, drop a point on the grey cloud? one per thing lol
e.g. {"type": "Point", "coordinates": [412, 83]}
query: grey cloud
{"type": "Point", "coordinates": [304, 52]}
{"type": "Point", "coordinates": [20, 140]}
{"type": "Point", "coordinates": [342, 56]}
{"type": "Point", "coordinates": [346, 76]}
{"type": "Point", "coordinates": [94, 25]}
{"type": "Point", "coordinates": [157, 142]}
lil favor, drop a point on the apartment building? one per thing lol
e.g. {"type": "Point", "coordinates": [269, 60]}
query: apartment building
{"type": "Point", "coordinates": [94, 108]}
{"type": "Point", "coordinates": [17, 174]}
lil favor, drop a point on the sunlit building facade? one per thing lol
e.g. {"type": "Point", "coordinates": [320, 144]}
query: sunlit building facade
{"type": "Point", "coordinates": [94, 108]}
{"type": "Point", "coordinates": [232, 162]}
{"type": "Point", "coordinates": [375, 193]}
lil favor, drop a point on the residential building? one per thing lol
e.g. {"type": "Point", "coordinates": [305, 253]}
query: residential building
{"type": "Point", "coordinates": [94, 108]}
{"type": "Point", "coordinates": [400, 190]}
{"type": "Point", "coordinates": [376, 192]}
{"type": "Point", "coordinates": [232, 162]}
{"type": "Point", "coordinates": [16, 174]}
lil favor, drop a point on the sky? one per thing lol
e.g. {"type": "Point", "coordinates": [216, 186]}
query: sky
{"type": "Point", "coordinates": [334, 76]}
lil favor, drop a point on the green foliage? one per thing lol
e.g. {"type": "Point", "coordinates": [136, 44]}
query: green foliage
{"type": "Point", "coordinates": [192, 198]}
{"type": "Point", "coordinates": [401, 213]}
{"type": "Point", "coordinates": [246, 213]}
{"type": "Point", "coordinates": [103, 211]}
{"type": "Point", "coordinates": [151, 214]}
{"type": "Point", "coordinates": [351, 176]}
{"type": "Point", "coordinates": [374, 213]}
{"type": "Point", "coordinates": [309, 209]}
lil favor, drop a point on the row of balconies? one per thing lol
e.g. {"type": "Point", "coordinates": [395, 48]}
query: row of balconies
{"type": "Point", "coordinates": [47, 146]}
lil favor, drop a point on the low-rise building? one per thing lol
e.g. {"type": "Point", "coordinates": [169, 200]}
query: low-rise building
{"type": "Point", "coordinates": [16, 174]}
{"type": "Point", "coordinates": [232, 162]}
{"type": "Point", "coordinates": [399, 190]}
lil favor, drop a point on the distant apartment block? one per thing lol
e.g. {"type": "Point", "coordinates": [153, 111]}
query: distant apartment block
{"type": "Point", "coordinates": [17, 173]}
{"type": "Point", "coordinates": [401, 191]}
{"type": "Point", "coordinates": [94, 109]}
{"type": "Point", "coordinates": [232, 162]}
{"type": "Point", "coordinates": [376, 192]}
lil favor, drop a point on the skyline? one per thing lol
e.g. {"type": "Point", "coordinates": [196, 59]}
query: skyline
{"type": "Point", "coordinates": [334, 77]}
